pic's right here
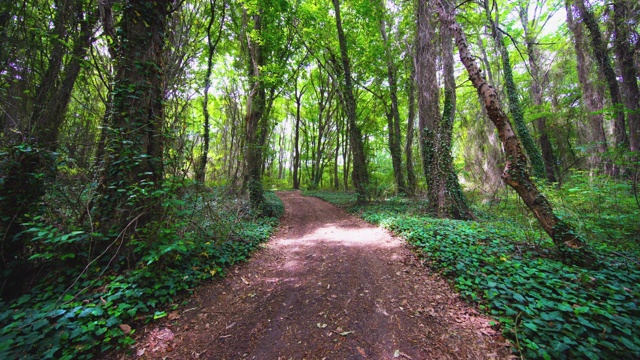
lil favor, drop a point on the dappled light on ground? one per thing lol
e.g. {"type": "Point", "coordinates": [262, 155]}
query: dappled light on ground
{"type": "Point", "coordinates": [329, 286]}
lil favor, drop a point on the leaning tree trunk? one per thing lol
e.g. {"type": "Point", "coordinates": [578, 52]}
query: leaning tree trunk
{"type": "Point", "coordinates": [360, 175]}
{"type": "Point", "coordinates": [515, 173]}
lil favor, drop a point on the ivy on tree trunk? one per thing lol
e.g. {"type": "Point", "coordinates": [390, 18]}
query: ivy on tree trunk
{"type": "Point", "coordinates": [360, 175]}
{"type": "Point", "coordinates": [515, 108]}
{"type": "Point", "coordinates": [515, 172]}
{"type": "Point", "coordinates": [133, 156]}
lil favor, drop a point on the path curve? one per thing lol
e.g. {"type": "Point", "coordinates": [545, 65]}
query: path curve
{"type": "Point", "coordinates": [327, 285]}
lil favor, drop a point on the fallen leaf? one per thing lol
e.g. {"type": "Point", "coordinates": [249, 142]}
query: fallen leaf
{"type": "Point", "coordinates": [345, 333]}
{"type": "Point", "coordinates": [361, 351]}
{"type": "Point", "coordinates": [244, 280]}
{"type": "Point", "coordinates": [173, 315]}
{"type": "Point", "coordinates": [321, 326]}
{"type": "Point", "coordinates": [126, 328]}
{"type": "Point", "coordinates": [396, 353]}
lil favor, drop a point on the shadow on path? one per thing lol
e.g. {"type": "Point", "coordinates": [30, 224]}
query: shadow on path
{"type": "Point", "coordinates": [327, 285]}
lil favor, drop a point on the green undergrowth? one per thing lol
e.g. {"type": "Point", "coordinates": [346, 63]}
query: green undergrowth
{"type": "Point", "coordinates": [547, 309]}
{"type": "Point", "coordinates": [604, 211]}
{"type": "Point", "coordinates": [76, 312]}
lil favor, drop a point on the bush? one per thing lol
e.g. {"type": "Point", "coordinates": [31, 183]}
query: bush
{"type": "Point", "coordinates": [77, 311]}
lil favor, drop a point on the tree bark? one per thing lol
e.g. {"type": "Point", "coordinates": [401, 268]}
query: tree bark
{"type": "Point", "coordinates": [256, 105]}
{"type": "Point", "coordinates": [360, 175]}
{"type": "Point", "coordinates": [515, 107]}
{"type": "Point", "coordinates": [31, 161]}
{"type": "Point", "coordinates": [537, 93]}
{"type": "Point", "coordinates": [411, 119]}
{"type": "Point", "coordinates": [515, 173]}
{"type": "Point", "coordinates": [604, 64]}
{"type": "Point", "coordinates": [296, 140]}
{"type": "Point", "coordinates": [451, 200]}
{"type": "Point", "coordinates": [592, 96]}
{"type": "Point", "coordinates": [395, 142]}
{"type": "Point", "coordinates": [211, 48]}
{"type": "Point", "coordinates": [625, 55]}
{"type": "Point", "coordinates": [135, 141]}
{"type": "Point", "coordinates": [428, 90]}
{"type": "Point", "coordinates": [443, 189]}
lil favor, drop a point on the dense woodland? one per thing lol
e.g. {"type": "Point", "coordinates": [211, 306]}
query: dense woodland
{"type": "Point", "coordinates": [140, 142]}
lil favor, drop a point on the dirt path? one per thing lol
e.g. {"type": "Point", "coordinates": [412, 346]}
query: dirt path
{"type": "Point", "coordinates": [328, 285]}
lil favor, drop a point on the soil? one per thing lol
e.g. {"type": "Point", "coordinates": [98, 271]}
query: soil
{"type": "Point", "coordinates": [326, 286]}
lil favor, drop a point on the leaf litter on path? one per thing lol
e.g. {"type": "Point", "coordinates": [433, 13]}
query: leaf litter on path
{"type": "Point", "coordinates": [327, 285]}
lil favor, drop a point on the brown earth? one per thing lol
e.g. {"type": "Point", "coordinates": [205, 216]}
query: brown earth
{"type": "Point", "coordinates": [326, 286]}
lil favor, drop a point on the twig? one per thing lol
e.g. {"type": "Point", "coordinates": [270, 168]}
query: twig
{"type": "Point", "coordinates": [515, 329]}
{"type": "Point", "coordinates": [121, 234]}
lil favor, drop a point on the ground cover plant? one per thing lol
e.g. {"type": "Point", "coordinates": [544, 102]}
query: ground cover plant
{"type": "Point", "coordinates": [77, 311]}
{"type": "Point", "coordinates": [548, 309]}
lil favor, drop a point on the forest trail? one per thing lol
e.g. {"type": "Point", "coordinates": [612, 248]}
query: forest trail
{"type": "Point", "coordinates": [327, 285]}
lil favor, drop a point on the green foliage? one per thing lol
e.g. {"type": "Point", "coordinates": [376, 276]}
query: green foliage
{"type": "Point", "coordinates": [24, 170]}
{"type": "Point", "coordinates": [273, 205]}
{"type": "Point", "coordinates": [548, 309]}
{"type": "Point", "coordinates": [76, 310]}
{"type": "Point", "coordinates": [603, 210]}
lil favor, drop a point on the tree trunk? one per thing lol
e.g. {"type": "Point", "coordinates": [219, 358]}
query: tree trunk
{"type": "Point", "coordinates": [625, 53]}
{"type": "Point", "coordinates": [31, 162]}
{"type": "Point", "coordinates": [537, 93]}
{"type": "Point", "coordinates": [604, 64]}
{"type": "Point", "coordinates": [515, 108]}
{"type": "Point", "coordinates": [443, 189]}
{"type": "Point", "coordinates": [325, 91]}
{"type": "Point", "coordinates": [428, 91]}
{"type": "Point", "coordinates": [451, 200]}
{"type": "Point", "coordinates": [336, 177]}
{"type": "Point", "coordinates": [296, 140]}
{"type": "Point", "coordinates": [360, 175]}
{"type": "Point", "coordinates": [135, 141]}
{"type": "Point", "coordinates": [515, 173]}
{"type": "Point", "coordinates": [592, 96]}
{"type": "Point", "coordinates": [256, 105]}
{"type": "Point", "coordinates": [211, 48]}
{"type": "Point", "coordinates": [411, 119]}
{"type": "Point", "coordinates": [395, 142]}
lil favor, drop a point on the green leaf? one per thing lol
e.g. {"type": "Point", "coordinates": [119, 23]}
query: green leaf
{"type": "Point", "coordinates": [530, 325]}
{"type": "Point", "coordinates": [159, 314]}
